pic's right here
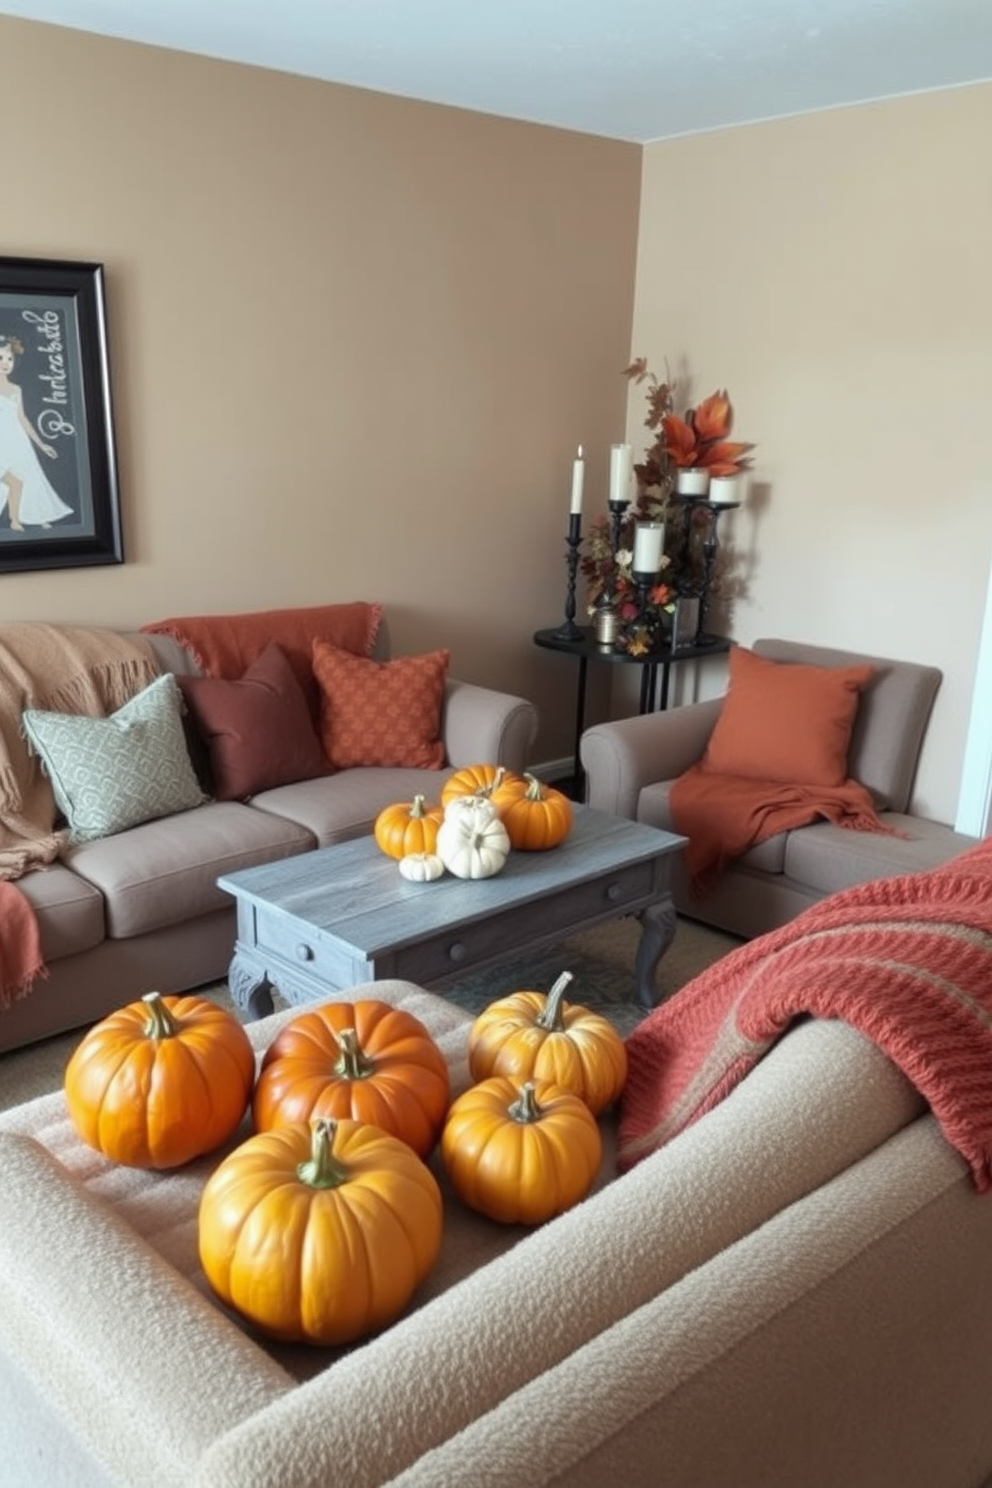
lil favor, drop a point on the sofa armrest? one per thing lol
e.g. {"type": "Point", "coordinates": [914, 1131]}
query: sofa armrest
{"type": "Point", "coordinates": [622, 757]}
{"type": "Point", "coordinates": [483, 726]}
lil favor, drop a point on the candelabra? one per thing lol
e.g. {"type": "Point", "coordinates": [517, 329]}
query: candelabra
{"type": "Point", "coordinates": [569, 631]}
{"type": "Point", "coordinates": [618, 510]}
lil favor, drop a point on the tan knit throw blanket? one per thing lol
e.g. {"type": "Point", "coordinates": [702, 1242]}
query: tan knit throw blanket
{"type": "Point", "coordinates": [62, 669]}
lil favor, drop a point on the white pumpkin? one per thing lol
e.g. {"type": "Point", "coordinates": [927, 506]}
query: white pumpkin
{"type": "Point", "coordinates": [421, 867]}
{"type": "Point", "coordinates": [472, 842]}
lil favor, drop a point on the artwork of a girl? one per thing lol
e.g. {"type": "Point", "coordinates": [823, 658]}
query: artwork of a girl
{"type": "Point", "coordinates": [25, 491]}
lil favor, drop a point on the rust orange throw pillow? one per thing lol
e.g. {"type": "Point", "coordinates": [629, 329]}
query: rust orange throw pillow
{"type": "Point", "coordinates": [385, 713]}
{"type": "Point", "coordinates": [258, 729]}
{"type": "Point", "coordinates": [785, 721]}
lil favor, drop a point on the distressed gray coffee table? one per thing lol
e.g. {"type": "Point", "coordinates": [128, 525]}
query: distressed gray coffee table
{"type": "Point", "coordinates": [344, 914]}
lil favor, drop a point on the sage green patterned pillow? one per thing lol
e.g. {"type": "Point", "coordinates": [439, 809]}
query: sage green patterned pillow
{"type": "Point", "coordinates": [112, 773]}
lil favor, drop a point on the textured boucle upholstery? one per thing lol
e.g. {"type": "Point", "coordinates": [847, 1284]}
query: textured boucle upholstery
{"type": "Point", "coordinates": [570, 1337]}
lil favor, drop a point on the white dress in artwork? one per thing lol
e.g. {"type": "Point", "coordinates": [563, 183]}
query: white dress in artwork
{"type": "Point", "coordinates": [40, 502]}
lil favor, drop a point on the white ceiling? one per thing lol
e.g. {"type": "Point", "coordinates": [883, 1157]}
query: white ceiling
{"type": "Point", "coordinates": [631, 69]}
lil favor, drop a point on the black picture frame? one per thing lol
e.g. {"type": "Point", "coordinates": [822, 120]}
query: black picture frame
{"type": "Point", "coordinates": [59, 497]}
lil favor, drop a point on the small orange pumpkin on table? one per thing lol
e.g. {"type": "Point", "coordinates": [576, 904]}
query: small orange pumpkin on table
{"type": "Point", "coordinates": [362, 1061]}
{"type": "Point", "coordinates": [530, 1035]}
{"type": "Point", "coordinates": [407, 827]}
{"type": "Point", "coordinates": [160, 1081]}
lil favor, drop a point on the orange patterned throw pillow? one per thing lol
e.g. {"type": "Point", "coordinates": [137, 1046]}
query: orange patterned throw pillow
{"type": "Point", "coordinates": [385, 713]}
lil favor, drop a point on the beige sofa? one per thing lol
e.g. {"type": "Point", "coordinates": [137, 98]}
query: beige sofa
{"type": "Point", "coordinates": [630, 765]}
{"type": "Point", "coordinates": [139, 910]}
{"type": "Point", "coordinates": [795, 1291]}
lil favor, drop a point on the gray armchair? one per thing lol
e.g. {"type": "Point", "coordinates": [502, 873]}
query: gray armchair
{"type": "Point", "coordinates": [630, 765]}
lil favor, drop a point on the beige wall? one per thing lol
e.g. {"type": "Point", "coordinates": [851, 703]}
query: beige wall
{"type": "Point", "coordinates": [354, 342]}
{"type": "Point", "coordinates": [833, 272]}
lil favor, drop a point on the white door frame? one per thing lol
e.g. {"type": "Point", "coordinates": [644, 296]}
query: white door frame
{"type": "Point", "coordinates": [975, 797]}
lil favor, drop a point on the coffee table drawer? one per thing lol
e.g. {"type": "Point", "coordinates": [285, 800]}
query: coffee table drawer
{"type": "Point", "coordinates": [526, 925]}
{"type": "Point", "coordinates": [295, 945]}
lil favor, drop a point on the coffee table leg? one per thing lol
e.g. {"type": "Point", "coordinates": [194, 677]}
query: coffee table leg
{"type": "Point", "coordinates": [250, 989]}
{"type": "Point", "coordinates": [658, 925]}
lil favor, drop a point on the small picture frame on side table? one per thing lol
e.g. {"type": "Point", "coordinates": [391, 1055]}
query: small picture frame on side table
{"type": "Point", "coordinates": [59, 502]}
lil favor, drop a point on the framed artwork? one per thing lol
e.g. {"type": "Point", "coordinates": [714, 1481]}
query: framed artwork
{"type": "Point", "coordinates": [59, 502]}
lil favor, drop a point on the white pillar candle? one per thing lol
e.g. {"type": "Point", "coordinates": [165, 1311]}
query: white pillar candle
{"type": "Point", "coordinates": [649, 539]}
{"type": "Point", "coordinates": [691, 480]}
{"type": "Point", "coordinates": [578, 479]}
{"type": "Point", "coordinates": [725, 488]}
{"type": "Point", "coordinates": [620, 467]}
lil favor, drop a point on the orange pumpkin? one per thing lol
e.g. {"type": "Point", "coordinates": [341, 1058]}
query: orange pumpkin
{"type": "Point", "coordinates": [160, 1081]}
{"type": "Point", "coordinates": [407, 827]}
{"type": "Point", "coordinates": [480, 780]}
{"type": "Point", "coordinates": [532, 1036]}
{"type": "Point", "coordinates": [520, 1154]}
{"type": "Point", "coordinates": [365, 1061]}
{"type": "Point", "coordinates": [319, 1235]}
{"type": "Point", "coordinates": [536, 816]}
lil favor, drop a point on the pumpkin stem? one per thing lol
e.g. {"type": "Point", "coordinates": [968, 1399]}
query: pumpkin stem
{"type": "Point", "coordinates": [322, 1169]}
{"type": "Point", "coordinates": [486, 791]}
{"type": "Point", "coordinates": [535, 788]}
{"type": "Point", "coordinates": [161, 1024]}
{"type": "Point", "coordinates": [417, 808]}
{"type": "Point", "coordinates": [551, 1017]}
{"type": "Point", "coordinates": [525, 1108]}
{"type": "Point", "coordinates": [352, 1063]}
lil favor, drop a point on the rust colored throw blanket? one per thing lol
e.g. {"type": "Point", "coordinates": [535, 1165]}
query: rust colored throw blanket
{"type": "Point", "coordinates": [907, 961]}
{"type": "Point", "coordinates": [20, 945]}
{"type": "Point", "coordinates": [723, 815]}
{"type": "Point", "coordinates": [226, 645]}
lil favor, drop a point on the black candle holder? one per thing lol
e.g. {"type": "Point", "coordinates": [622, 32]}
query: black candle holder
{"type": "Point", "coordinates": [570, 631]}
{"type": "Point", "coordinates": [618, 510]}
{"type": "Point", "coordinates": [710, 545]}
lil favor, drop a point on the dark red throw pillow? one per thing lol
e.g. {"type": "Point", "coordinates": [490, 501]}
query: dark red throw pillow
{"type": "Point", "coordinates": [258, 729]}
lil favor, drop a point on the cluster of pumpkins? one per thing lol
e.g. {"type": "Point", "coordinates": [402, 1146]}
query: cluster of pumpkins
{"type": "Point", "coordinates": [484, 812]}
{"type": "Point", "coordinates": [319, 1226]}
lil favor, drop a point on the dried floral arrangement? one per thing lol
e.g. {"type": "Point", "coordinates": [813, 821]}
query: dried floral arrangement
{"type": "Point", "coordinates": [697, 438]}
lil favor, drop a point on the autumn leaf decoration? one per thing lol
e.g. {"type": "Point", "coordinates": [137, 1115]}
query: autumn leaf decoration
{"type": "Point", "coordinates": [697, 439]}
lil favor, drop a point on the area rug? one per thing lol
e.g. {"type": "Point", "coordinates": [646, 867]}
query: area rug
{"type": "Point", "coordinates": [601, 961]}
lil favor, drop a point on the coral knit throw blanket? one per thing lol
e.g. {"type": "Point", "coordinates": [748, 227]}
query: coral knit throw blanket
{"type": "Point", "coordinates": [64, 669]}
{"type": "Point", "coordinates": [907, 961]}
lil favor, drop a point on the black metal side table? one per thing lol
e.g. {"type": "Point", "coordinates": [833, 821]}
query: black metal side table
{"type": "Point", "coordinates": [586, 648]}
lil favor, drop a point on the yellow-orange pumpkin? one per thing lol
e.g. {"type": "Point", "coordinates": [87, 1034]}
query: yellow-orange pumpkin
{"type": "Point", "coordinates": [160, 1081]}
{"type": "Point", "coordinates": [365, 1061]}
{"type": "Point", "coordinates": [520, 1152]}
{"type": "Point", "coordinates": [319, 1235]}
{"type": "Point", "coordinates": [530, 1035]}
{"type": "Point", "coordinates": [407, 827]}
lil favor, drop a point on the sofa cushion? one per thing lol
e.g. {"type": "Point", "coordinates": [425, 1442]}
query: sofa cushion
{"type": "Point", "coordinates": [165, 872]}
{"type": "Point", "coordinates": [69, 911]}
{"type": "Point", "coordinates": [827, 858]}
{"type": "Point", "coordinates": [341, 806]}
{"type": "Point", "coordinates": [258, 729]}
{"type": "Point", "coordinates": [112, 773]}
{"type": "Point", "coordinates": [385, 713]}
{"type": "Point", "coordinates": [786, 722]}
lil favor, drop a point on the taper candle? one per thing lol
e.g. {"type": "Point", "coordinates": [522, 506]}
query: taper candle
{"type": "Point", "coordinates": [578, 478]}
{"type": "Point", "coordinates": [620, 468]}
